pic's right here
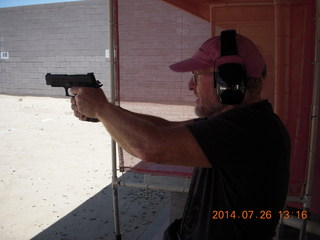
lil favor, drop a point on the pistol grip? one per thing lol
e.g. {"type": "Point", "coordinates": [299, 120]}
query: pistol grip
{"type": "Point", "coordinates": [92, 120]}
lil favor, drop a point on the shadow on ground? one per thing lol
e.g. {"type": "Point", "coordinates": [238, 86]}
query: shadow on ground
{"type": "Point", "coordinates": [94, 218]}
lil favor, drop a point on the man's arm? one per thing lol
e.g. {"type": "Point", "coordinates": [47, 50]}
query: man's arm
{"type": "Point", "coordinates": [148, 138]}
{"type": "Point", "coordinates": [157, 121]}
{"type": "Point", "coordinates": [154, 120]}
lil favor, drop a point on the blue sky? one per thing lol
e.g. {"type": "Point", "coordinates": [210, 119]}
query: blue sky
{"type": "Point", "coordinates": [15, 3]}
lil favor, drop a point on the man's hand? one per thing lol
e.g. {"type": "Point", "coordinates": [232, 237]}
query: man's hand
{"type": "Point", "coordinates": [87, 102]}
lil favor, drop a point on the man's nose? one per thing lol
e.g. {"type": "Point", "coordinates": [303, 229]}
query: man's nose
{"type": "Point", "coordinates": [191, 84]}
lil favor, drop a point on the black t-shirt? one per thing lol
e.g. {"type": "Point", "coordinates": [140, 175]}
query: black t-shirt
{"type": "Point", "coordinates": [240, 196]}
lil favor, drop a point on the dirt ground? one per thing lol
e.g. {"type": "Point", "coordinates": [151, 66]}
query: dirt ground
{"type": "Point", "coordinates": [55, 174]}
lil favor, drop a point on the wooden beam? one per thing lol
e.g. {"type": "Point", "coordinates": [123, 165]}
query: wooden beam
{"type": "Point", "coordinates": [200, 8]}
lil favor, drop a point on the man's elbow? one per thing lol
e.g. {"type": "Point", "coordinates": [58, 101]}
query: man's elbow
{"type": "Point", "coordinates": [151, 149]}
{"type": "Point", "coordinates": [150, 155]}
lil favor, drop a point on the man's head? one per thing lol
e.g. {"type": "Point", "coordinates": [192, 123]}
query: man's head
{"type": "Point", "coordinates": [227, 65]}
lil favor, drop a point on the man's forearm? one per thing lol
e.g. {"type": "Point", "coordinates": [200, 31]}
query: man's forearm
{"type": "Point", "coordinates": [157, 121]}
{"type": "Point", "coordinates": [130, 130]}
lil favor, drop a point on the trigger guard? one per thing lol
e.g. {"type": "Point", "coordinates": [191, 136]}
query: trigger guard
{"type": "Point", "coordinates": [67, 93]}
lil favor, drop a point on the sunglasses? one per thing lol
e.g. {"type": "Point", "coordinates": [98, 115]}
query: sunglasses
{"type": "Point", "coordinates": [195, 76]}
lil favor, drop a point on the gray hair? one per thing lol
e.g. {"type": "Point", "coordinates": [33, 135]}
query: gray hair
{"type": "Point", "coordinates": [255, 84]}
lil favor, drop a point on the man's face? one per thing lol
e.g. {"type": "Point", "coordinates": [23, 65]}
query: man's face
{"type": "Point", "coordinates": [207, 102]}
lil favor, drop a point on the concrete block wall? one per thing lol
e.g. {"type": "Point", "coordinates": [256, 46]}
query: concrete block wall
{"type": "Point", "coordinates": [153, 35]}
{"type": "Point", "coordinates": [72, 38]}
{"type": "Point", "coordinates": [66, 38]}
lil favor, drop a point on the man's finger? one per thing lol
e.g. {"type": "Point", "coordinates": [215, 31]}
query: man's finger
{"type": "Point", "coordinates": [74, 90]}
{"type": "Point", "coordinates": [83, 118]}
{"type": "Point", "coordinates": [73, 101]}
{"type": "Point", "coordinates": [80, 116]}
{"type": "Point", "coordinates": [74, 107]}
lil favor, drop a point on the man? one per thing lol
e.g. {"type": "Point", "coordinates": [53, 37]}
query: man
{"type": "Point", "coordinates": [238, 146]}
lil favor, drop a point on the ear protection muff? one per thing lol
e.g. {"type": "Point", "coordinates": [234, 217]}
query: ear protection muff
{"type": "Point", "coordinates": [230, 77]}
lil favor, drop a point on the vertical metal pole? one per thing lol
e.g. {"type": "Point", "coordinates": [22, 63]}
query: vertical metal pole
{"type": "Point", "coordinates": [113, 144]}
{"type": "Point", "coordinates": [281, 65]}
{"type": "Point", "coordinates": [280, 99]}
{"type": "Point", "coordinates": [115, 193]}
{"type": "Point", "coordinates": [314, 124]}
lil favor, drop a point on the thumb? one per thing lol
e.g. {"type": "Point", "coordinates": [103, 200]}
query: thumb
{"type": "Point", "coordinates": [74, 90]}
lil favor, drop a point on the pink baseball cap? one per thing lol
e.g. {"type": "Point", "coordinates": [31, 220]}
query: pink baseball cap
{"type": "Point", "coordinates": [209, 53]}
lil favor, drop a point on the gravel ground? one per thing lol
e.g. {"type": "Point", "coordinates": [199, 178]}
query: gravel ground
{"type": "Point", "coordinates": [56, 174]}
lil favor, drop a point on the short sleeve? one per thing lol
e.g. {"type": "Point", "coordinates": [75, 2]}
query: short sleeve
{"type": "Point", "coordinates": [222, 139]}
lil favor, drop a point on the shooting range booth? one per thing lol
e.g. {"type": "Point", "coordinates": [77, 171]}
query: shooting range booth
{"type": "Point", "coordinates": [287, 33]}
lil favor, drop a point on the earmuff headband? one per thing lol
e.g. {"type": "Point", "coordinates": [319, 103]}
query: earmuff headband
{"type": "Point", "coordinates": [230, 76]}
{"type": "Point", "coordinates": [228, 44]}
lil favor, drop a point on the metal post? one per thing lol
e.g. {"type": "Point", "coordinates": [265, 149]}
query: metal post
{"type": "Point", "coordinates": [314, 124]}
{"type": "Point", "coordinates": [113, 144]}
{"type": "Point", "coordinates": [115, 192]}
{"type": "Point", "coordinates": [282, 37]}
